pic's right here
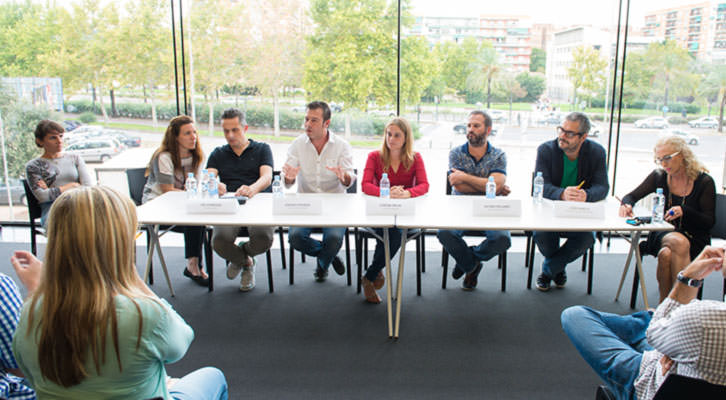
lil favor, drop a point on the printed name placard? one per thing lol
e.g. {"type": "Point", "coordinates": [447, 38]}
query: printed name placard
{"type": "Point", "coordinates": [579, 209]}
{"type": "Point", "coordinates": [379, 206]}
{"type": "Point", "coordinates": [212, 206]}
{"type": "Point", "coordinates": [483, 207]}
{"type": "Point", "coordinates": [300, 205]}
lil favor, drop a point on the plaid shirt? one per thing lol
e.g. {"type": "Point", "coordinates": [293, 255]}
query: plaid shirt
{"type": "Point", "coordinates": [693, 336]}
{"type": "Point", "coordinates": [11, 387]}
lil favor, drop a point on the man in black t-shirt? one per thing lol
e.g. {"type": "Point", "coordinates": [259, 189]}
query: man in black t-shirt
{"type": "Point", "coordinates": [245, 167]}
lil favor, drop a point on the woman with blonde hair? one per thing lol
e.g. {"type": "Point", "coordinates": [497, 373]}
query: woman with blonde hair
{"type": "Point", "coordinates": [92, 328]}
{"type": "Point", "coordinates": [179, 154]}
{"type": "Point", "coordinates": [407, 177]}
{"type": "Point", "coordinates": [690, 195]}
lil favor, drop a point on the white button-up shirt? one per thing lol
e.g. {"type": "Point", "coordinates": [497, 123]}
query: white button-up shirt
{"type": "Point", "coordinates": [314, 177]}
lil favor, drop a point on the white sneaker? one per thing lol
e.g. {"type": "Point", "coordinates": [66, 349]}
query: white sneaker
{"type": "Point", "coordinates": [233, 270]}
{"type": "Point", "coordinates": [247, 282]}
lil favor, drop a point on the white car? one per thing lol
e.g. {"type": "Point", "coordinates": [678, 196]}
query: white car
{"type": "Point", "coordinates": [688, 137]}
{"type": "Point", "coordinates": [497, 115]}
{"type": "Point", "coordinates": [704, 122]}
{"type": "Point", "coordinates": [595, 130]}
{"type": "Point", "coordinates": [652, 122]}
{"type": "Point", "coordinates": [98, 149]}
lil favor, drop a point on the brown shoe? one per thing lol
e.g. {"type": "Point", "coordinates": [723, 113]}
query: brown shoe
{"type": "Point", "coordinates": [380, 280]}
{"type": "Point", "coordinates": [369, 291]}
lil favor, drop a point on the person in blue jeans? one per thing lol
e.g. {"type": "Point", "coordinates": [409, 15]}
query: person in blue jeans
{"type": "Point", "coordinates": [573, 169]}
{"type": "Point", "coordinates": [633, 354]}
{"type": "Point", "coordinates": [470, 166]}
{"type": "Point", "coordinates": [319, 162]}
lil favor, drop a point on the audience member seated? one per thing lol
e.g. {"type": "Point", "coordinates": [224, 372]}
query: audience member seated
{"type": "Point", "coordinates": [633, 354]}
{"type": "Point", "coordinates": [690, 196]}
{"type": "Point", "coordinates": [53, 172]}
{"type": "Point", "coordinates": [93, 329]}
{"type": "Point", "coordinates": [180, 153]}
{"type": "Point", "coordinates": [407, 178]}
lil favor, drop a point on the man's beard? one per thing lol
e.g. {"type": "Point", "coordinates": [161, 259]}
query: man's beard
{"type": "Point", "coordinates": [476, 140]}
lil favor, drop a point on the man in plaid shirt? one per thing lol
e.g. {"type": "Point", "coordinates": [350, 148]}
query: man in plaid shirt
{"type": "Point", "coordinates": [634, 354]}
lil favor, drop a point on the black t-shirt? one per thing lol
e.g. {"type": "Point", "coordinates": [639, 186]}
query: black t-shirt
{"type": "Point", "coordinates": [235, 171]}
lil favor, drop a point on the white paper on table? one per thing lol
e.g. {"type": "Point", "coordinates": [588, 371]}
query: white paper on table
{"type": "Point", "coordinates": [379, 206]}
{"type": "Point", "coordinates": [301, 205]}
{"type": "Point", "coordinates": [579, 209]}
{"type": "Point", "coordinates": [498, 207]}
{"type": "Point", "coordinates": [212, 206]}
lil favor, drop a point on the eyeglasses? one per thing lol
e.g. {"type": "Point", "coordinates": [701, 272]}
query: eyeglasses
{"type": "Point", "coordinates": [660, 161]}
{"type": "Point", "coordinates": [569, 134]}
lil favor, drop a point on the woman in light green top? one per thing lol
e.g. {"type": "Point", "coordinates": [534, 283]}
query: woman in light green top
{"type": "Point", "coordinates": [93, 329]}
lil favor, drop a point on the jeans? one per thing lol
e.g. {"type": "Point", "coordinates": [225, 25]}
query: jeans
{"type": "Point", "coordinates": [224, 237]}
{"type": "Point", "coordinates": [612, 344]}
{"type": "Point", "coordinates": [325, 251]}
{"type": "Point", "coordinates": [379, 256]}
{"type": "Point", "coordinates": [556, 257]}
{"type": "Point", "coordinates": [468, 258]}
{"type": "Point", "coordinates": [203, 384]}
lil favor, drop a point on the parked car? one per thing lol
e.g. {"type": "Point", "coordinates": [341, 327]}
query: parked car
{"type": "Point", "coordinates": [704, 122]}
{"type": "Point", "coordinates": [595, 130]}
{"type": "Point", "coordinates": [461, 129]}
{"type": "Point", "coordinates": [687, 136]}
{"type": "Point", "coordinates": [17, 192]}
{"type": "Point", "coordinates": [652, 122]}
{"type": "Point", "coordinates": [382, 113]}
{"type": "Point", "coordinates": [85, 129]}
{"type": "Point", "coordinates": [123, 137]}
{"type": "Point", "coordinates": [70, 125]}
{"type": "Point", "coordinates": [551, 118]}
{"type": "Point", "coordinates": [497, 115]}
{"type": "Point", "coordinates": [95, 149]}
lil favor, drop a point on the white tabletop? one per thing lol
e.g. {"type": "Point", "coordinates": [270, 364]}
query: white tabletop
{"type": "Point", "coordinates": [456, 212]}
{"type": "Point", "coordinates": [339, 210]}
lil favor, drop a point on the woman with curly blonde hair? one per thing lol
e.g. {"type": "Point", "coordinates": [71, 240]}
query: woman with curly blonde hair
{"type": "Point", "coordinates": [690, 195]}
{"type": "Point", "coordinates": [92, 329]}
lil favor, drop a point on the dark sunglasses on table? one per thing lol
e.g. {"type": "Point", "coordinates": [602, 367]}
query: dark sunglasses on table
{"type": "Point", "coordinates": [569, 134]}
{"type": "Point", "coordinates": [660, 161]}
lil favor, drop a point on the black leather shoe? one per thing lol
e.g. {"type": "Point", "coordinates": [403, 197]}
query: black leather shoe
{"type": "Point", "coordinates": [472, 278]}
{"type": "Point", "coordinates": [457, 273]}
{"type": "Point", "coordinates": [198, 279]}
{"type": "Point", "coordinates": [338, 266]}
{"type": "Point", "coordinates": [320, 274]}
{"type": "Point", "coordinates": [603, 393]}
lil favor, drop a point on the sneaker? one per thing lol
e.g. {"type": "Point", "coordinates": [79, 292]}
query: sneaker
{"type": "Point", "coordinates": [560, 280]}
{"type": "Point", "coordinates": [457, 273]}
{"type": "Point", "coordinates": [338, 266]}
{"type": "Point", "coordinates": [472, 278]}
{"type": "Point", "coordinates": [320, 274]}
{"type": "Point", "coordinates": [543, 282]}
{"type": "Point", "coordinates": [380, 280]}
{"type": "Point", "coordinates": [233, 270]}
{"type": "Point", "coordinates": [247, 282]}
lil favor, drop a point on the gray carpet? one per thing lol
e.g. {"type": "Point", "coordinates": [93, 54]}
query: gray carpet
{"type": "Point", "coordinates": [321, 340]}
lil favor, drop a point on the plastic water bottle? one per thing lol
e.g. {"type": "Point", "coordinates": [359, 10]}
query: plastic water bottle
{"type": "Point", "coordinates": [385, 187]}
{"type": "Point", "coordinates": [658, 205]}
{"type": "Point", "coordinates": [277, 187]}
{"type": "Point", "coordinates": [204, 185]}
{"type": "Point", "coordinates": [491, 188]}
{"type": "Point", "coordinates": [538, 188]}
{"type": "Point", "coordinates": [191, 186]}
{"type": "Point", "coordinates": [213, 190]}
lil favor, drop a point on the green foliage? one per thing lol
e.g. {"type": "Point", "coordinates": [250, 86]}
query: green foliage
{"type": "Point", "coordinates": [587, 73]}
{"type": "Point", "coordinates": [87, 117]}
{"type": "Point", "coordinates": [537, 60]}
{"type": "Point", "coordinates": [534, 83]}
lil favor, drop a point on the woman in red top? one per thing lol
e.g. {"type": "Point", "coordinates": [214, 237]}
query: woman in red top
{"type": "Point", "coordinates": [407, 175]}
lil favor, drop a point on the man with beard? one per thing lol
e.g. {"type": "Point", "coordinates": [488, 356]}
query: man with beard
{"type": "Point", "coordinates": [470, 166]}
{"type": "Point", "coordinates": [573, 169]}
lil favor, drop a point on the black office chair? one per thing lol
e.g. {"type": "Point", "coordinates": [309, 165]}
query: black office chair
{"type": "Point", "coordinates": [502, 258]}
{"type": "Point", "coordinates": [677, 387]}
{"type": "Point", "coordinates": [352, 190]}
{"type": "Point", "coordinates": [717, 232]}
{"type": "Point", "coordinates": [34, 213]}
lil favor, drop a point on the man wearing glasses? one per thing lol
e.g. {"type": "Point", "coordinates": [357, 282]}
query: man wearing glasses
{"type": "Point", "coordinates": [573, 169]}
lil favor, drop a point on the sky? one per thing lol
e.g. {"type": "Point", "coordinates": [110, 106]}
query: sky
{"type": "Point", "coordinates": [560, 12]}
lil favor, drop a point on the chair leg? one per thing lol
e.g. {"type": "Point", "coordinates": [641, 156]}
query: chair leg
{"type": "Point", "coordinates": [530, 256]}
{"type": "Point", "coordinates": [700, 293]}
{"type": "Point", "coordinates": [33, 244]}
{"type": "Point", "coordinates": [364, 239]}
{"type": "Point", "coordinates": [282, 246]}
{"type": "Point", "coordinates": [423, 251]}
{"type": "Point", "coordinates": [526, 250]}
{"type": "Point", "coordinates": [418, 270]}
{"type": "Point", "coordinates": [269, 270]}
{"type": "Point", "coordinates": [360, 272]}
{"type": "Point", "coordinates": [584, 261]}
{"type": "Point", "coordinates": [151, 265]}
{"type": "Point", "coordinates": [347, 255]}
{"type": "Point", "coordinates": [302, 257]}
{"type": "Point", "coordinates": [292, 265]}
{"type": "Point", "coordinates": [591, 266]}
{"type": "Point", "coordinates": [724, 288]}
{"type": "Point", "coordinates": [503, 267]}
{"type": "Point", "coordinates": [634, 292]}
{"type": "Point", "coordinates": [209, 256]}
{"type": "Point", "coordinates": [445, 265]}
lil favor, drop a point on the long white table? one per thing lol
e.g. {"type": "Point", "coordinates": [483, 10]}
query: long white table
{"type": "Point", "coordinates": [455, 212]}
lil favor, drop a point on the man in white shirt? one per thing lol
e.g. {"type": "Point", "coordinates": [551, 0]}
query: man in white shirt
{"type": "Point", "coordinates": [634, 354]}
{"type": "Point", "coordinates": [320, 162]}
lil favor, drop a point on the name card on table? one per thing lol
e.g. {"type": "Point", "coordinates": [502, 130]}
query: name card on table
{"type": "Point", "coordinates": [212, 206]}
{"type": "Point", "coordinates": [379, 206]}
{"type": "Point", "coordinates": [578, 209]}
{"type": "Point", "coordinates": [300, 205]}
{"type": "Point", "coordinates": [483, 207]}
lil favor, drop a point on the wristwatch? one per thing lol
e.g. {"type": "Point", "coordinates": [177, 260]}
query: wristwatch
{"type": "Point", "coordinates": [689, 281]}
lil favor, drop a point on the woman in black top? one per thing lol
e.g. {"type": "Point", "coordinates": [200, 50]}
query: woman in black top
{"type": "Point", "coordinates": [690, 196]}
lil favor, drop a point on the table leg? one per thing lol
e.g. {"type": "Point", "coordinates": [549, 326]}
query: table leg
{"type": "Point", "coordinates": [633, 246]}
{"type": "Point", "coordinates": [639, 264]}
{"type": "Point", "coordinates": [399, 298]}
{"type": "Point", "coordinates": [389, 308]}
{"type": "Point", "coordinates": [163, 266]}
